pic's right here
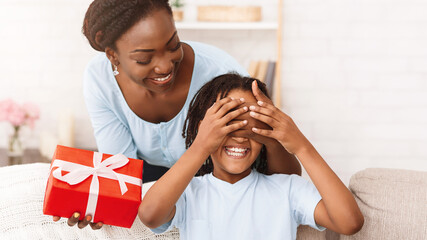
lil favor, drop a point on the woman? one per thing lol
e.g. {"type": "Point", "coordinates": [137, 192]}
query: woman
{"type": "Point", "coordinates": [138, 91]}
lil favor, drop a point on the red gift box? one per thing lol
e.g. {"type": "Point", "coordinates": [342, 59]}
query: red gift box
{"type": "Point", "coordinates": [104, 186]}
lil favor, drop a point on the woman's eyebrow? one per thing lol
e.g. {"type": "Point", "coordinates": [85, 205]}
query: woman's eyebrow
{"type": "Point", "coordinates": [152, 50]}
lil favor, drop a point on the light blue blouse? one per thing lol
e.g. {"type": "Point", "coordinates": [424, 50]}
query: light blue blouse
{"type": "Point", "coordinates": [118, 129]}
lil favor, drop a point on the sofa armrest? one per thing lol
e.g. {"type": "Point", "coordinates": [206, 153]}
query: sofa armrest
{"type": "Point", "coordinates": [393, 202]}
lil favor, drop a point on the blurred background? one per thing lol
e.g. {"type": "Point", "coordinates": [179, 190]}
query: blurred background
{"type": "Point", "coordinates": [353, 74]}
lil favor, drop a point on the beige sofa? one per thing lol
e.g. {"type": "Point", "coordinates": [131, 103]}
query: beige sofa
{"type": "Point", "coordinates": [394, 203]}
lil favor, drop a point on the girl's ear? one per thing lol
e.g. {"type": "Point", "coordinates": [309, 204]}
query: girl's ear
{"type": "Point", "coordinates": [112, 56]}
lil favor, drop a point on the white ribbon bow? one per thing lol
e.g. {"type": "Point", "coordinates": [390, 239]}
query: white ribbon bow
{"type": "Point", "coordinates": [78, 173]}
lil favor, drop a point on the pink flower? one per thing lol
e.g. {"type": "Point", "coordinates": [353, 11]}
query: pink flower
{"type": "Point", "coordinates": [18, 115]}
{"type": "Point", "coordinates": [5, 107]}
{"type": "Point", "coordinates": [32, 113]}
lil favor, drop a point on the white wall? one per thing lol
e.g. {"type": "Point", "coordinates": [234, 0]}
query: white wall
{"type": "Point", "coordinates": [354, 72]}
{"type": "Point", "coordinates": [43, 55]}
{"type": "Point", "coordinates": [355, 78]}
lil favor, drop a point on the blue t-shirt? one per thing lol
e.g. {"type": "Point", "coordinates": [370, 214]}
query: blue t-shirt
{"type": "Point", "coordinates": [256, 207]}
{"type": "Point", "coordinates": [119, 130]}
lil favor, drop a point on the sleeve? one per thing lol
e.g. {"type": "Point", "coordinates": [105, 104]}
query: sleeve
{"type": "Point", "coordinates": [178, 220]}
{"type": "Point", "coordinates": [303, 198]}
{"type": "Point", "coordinates": [112, 136]}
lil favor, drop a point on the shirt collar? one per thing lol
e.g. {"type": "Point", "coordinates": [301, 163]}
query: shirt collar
{"type": "Point", "coordinates": [241, 184]}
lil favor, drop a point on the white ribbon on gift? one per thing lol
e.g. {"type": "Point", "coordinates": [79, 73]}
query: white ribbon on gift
{"type": "Point", "coordinates": [78, 173]}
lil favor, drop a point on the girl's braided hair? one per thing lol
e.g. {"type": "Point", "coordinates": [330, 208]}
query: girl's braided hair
{"type": "Point", "coordinates": [204, 98]}
{"type": "Point", "coordinates": [106, 20]}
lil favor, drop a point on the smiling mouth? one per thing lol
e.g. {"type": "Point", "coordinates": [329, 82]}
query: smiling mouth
{"type": "Point", "coordinates": [236, 151]}
{"type": "Point", "coordinates": [163, 78]}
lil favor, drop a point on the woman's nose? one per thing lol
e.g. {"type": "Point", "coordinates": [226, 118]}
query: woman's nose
{"type": "Point", "coordinates": [163, 66]}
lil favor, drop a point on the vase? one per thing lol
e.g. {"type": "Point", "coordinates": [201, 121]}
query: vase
{"type": "Point", "coordinates": [15, 150]}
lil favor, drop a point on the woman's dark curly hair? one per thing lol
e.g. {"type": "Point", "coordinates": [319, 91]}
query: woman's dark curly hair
{"type": "Point", "coordinates": [106, 20]}
{"type": "Point", "coordinates": [204, 98]}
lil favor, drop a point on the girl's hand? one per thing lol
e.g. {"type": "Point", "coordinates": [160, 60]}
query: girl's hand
{"type": "Point", "coordinates": [213, 128]}
{"type": "Point", "coordinates": [81, 224]}
{"type": "Point", "coordinates": [260, 96]}
{"type": "Point", "coordinates": [284, 130]}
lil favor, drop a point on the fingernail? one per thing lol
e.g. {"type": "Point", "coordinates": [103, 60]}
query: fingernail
{"type": "Point", "coordinates": [260, 103]}
{"type": "Point", "coordinates": [232, 98]}
{"type": "Point", "coordinates": [242, 99]}
{"type": "Point", "coordinates": [88, 218]}
{"type": "Point", "coordinates": [76, 215]}
{"type": "Point", "coordinates": [252, 107]}
{"type": "Point", "coordinates": [255, 129]}
{"type": "Point", "coordinates": [245, 108]}
{"type": "Point", "coordinates": [245, 121]}
{"type": "Point", "coordinates": [252, 114]}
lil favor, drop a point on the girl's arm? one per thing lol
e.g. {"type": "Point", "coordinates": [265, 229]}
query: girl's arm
{"type": "Point", "coordinates": [278, 159]}
{"type": "Point", "coordinates": [158, 205]}
{"type": "Point", "coordinates": [338, 209]}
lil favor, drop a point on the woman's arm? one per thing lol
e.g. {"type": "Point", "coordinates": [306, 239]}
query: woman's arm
{"type": "Point", "coordinates": [111, 134]}
{"type": "Point", "coordinates": [338, 209]}
{"type": "Point", "coordinates": [281, 161]}
{"type": "Point", "coordinates": [278, 159]}
{"type": "Point", "coordinates": [158, 205]}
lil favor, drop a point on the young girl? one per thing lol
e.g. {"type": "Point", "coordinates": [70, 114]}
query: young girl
{"type": "Point", "coordinates": [234, 201]}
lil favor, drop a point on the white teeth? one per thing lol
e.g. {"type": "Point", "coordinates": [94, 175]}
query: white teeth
{"type": "Point", "coordinates": [234, 149]}
{"type": "Point", "coordinates": [237, 152]}
{"type": "Point", "coordinates": [162, 79]}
